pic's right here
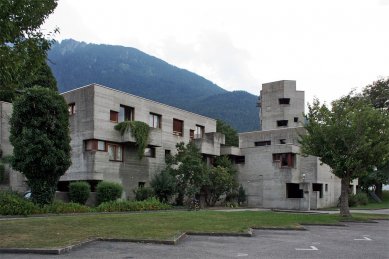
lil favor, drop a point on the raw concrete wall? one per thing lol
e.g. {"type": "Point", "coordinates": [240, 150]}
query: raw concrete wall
{"type": "Point", "coordinates": [92, 121]}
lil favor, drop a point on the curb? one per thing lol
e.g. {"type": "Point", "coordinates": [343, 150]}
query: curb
{"type": "Point", "coordinates": [324, 225]}
{"type": "Point", "coordinates": [356, 221]}
{"type": "Point", "coordinates": [249, 233]}
{"type": "Point", "coordinates": [288, 229]}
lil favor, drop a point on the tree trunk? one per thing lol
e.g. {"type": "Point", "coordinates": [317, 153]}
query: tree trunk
{"type": "Point", "coordinates": [378, 190]}
{"type": "Point", "coordinates": [344, 192]}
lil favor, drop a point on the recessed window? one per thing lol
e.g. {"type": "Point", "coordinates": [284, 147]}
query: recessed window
{"type": "Point", "coordinates": [167, 154]}
{"type": "Point", "coordinates": [284, 100]}
{"type": "Point", "coordinates": [93, 145]}
{"type": "Point", "coordinates": [199, 133]}
{"type": "Point", "coordinates": [155, 120]}
{"type": "Point", "coordinates": [178, 127]}
{"type": "Point", "coordinates": [72, 108]}
{"type": "Point", "coordinates": [285, 159]}
{"type": "Point", "coordinates": [318, 187]}
{"type": "Point", "coordinates": [282, 123]}
{"type": "Point", "coordinates": [191, 134]}
{"type": "Point", "coordinates": [113, 116]}
{"type": "Point", "coordinates": [282, 141]}
{"type": "Point", "coordinates": [141, 184]}
{"type": "Point", "coordinates": [149, 152]}
{"type": "Point", "coordinates": [262, 143]}
{"type": "Point", "coordinates": [126, 113]}
{"type": "Point", "coordinates": [240, 159]}
{"type": "Point", "coordinates": [115, 152]}
{"type": "Point", "coordinates": [296, 119]}
{"type": "Point", "coordinates": [293, 191]}
{"type": "Point", "coordinates": [326, 187]}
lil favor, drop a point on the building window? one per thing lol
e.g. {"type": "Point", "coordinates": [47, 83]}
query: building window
{"type": "Point", "coordinates": [126, 113]}
{"type": "Point", "coordinates": [296, 119]}
{"type": "Point", "coordinates": [326, 187]}
{"type": "Point", "coordinates": [318, 187]}
{"type": "Point", "coordinates": [285, 159]}
{"type": "Point", "coordinates": [178, 127]}
{"type": "Point", "coordinates": [115, 152]}
{"type": "Point", "coordinates": [282, 141]}
{"type": "Point", "coordinates": [284, 100]}
{"type": "Point", "coordinates": [149, 152]}
{"type": "Point", "coordinates": [282, 123]}
{"type": "Point", "coordinates": [262, 143]}
{"type": "Point", "coordinates": [191, 134]}
{"type": "Point", "coordinates": [141, 184]}
{"type": "Point", "coordinates": [113, 116]}
{"type": "Point", "coordinates": [167, 154]}
{"type": "Point", "coordinates": [293, 191]}
{"type": "Point", "coordinates": [199, 133]}
{"type": "Point", "coordinates": [240, 159]}
{"type": "Point", "coordinates": [72, 108]}
{"type": "Point", "coordinates": [155, 120]}
{"type": "Point", "coordinates": [93, 145]}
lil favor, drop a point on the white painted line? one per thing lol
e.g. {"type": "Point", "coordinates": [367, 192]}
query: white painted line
{"type": "Point", "coordinates": [364, 239]}
{"type": "Point", "coordinates": [312, 248]}
{"type": "Point", "coordinates": [241, 255]}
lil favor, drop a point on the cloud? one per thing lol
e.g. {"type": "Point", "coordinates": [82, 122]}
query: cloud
{"type": "Point", "coordinates": [211, 54]}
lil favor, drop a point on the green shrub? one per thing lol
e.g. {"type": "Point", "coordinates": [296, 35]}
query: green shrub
{"type": "Point", "coordinates": [58, 207]}
{"type": "Point", "coordinates": [358, 199]}
{"type": "Point", "coordinates": [164, 185]}
{"type": "Point", "coordinates": [12, 203]}
{"type": "Point", "coordinates": [122, 205]}
{"type": "Point", "coordinates": [242, 197]}
{"type": "Point", "coordinates": [143, 193]}
{"type": "Point", "coordinates": [108, 191]}
{"type": "Point", "coordinates": [79, 192]}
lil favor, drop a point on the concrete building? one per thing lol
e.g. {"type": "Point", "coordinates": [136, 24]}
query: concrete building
{"type": "Point", "coordinates": [271, 170]}
{"type": "Point", "coordinates": [99, 152]}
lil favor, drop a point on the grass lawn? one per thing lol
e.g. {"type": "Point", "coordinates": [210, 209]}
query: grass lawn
{"type": "Point", "coordinates": [59, 231]}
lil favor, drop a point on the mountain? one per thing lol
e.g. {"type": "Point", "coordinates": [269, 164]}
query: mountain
{"type": "Point", "coordinates": [75, 64]}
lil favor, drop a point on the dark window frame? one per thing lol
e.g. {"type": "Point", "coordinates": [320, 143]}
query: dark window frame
{"type": "Point", "coordinates": [293, 191]}
{"type": "Point", "coordinates": [72, 108]}
{"type": "Point", "coordinates": [178, 127]}
{"type": "Point", "coordinates": [152, 117]}
{"type": "Point", "coordinates": [284, 101]}
{"type": "Point", "coordinates": [262, 143]}
{"type": "Point", "coordinates": [127, 112]}
{"type": "Point", "coordinates": [282, 123]}
{"type": "Point", "coordinates": [115, 145]}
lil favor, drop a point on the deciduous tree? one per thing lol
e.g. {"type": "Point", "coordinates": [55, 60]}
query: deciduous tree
{"type": "Point", "coordinates": [23, 46]}
{"type": "Point", "coordinates": [351, 137]}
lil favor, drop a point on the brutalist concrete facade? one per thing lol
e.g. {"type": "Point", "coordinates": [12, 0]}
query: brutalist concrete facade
{"type": "Point", "coordinates": [95, 143]}
{"type": "Point", "coordinates": [272, 172]}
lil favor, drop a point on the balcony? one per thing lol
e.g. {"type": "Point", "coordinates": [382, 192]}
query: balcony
{"type": "Point", "coordinates": [155, 137]}
{"type": "Point", "coordinates": [210, 143]}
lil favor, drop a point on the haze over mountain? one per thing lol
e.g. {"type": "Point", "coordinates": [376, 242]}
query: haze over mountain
{"type": "Point", "coordinates": [76, 64]}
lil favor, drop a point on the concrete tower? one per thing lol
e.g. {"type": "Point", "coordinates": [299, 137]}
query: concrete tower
{"type": "Point", "coordinates": [281, 105]}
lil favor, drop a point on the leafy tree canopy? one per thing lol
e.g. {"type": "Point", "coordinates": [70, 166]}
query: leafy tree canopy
{"type": "Point", "coordinates": [41, 141]}
{"type": "Point", "coordinates": [23, 46]}
{"type": "Point", "coordinates": [351, 137]}
{"type": "Point", "coordinates": [378, 93]}
{"type": "Point", "coordinates": [230, 134]}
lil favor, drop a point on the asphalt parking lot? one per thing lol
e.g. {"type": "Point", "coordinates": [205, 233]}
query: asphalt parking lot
{"type": "Point", "coordinates": [356, 240]}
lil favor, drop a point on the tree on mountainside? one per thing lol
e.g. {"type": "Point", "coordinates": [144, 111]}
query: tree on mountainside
{"type": "Point", "coordinates": [41, 141]}
{"type": "Point", "coordinates": [230, 134]}
{"type": "Point", "coordinates": [23, 46]}
{"type": "Point", "coordinates": [351, 137]}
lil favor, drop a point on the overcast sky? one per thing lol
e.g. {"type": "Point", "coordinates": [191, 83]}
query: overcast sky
{"type": "Point", "coordinates": [328, 46]}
